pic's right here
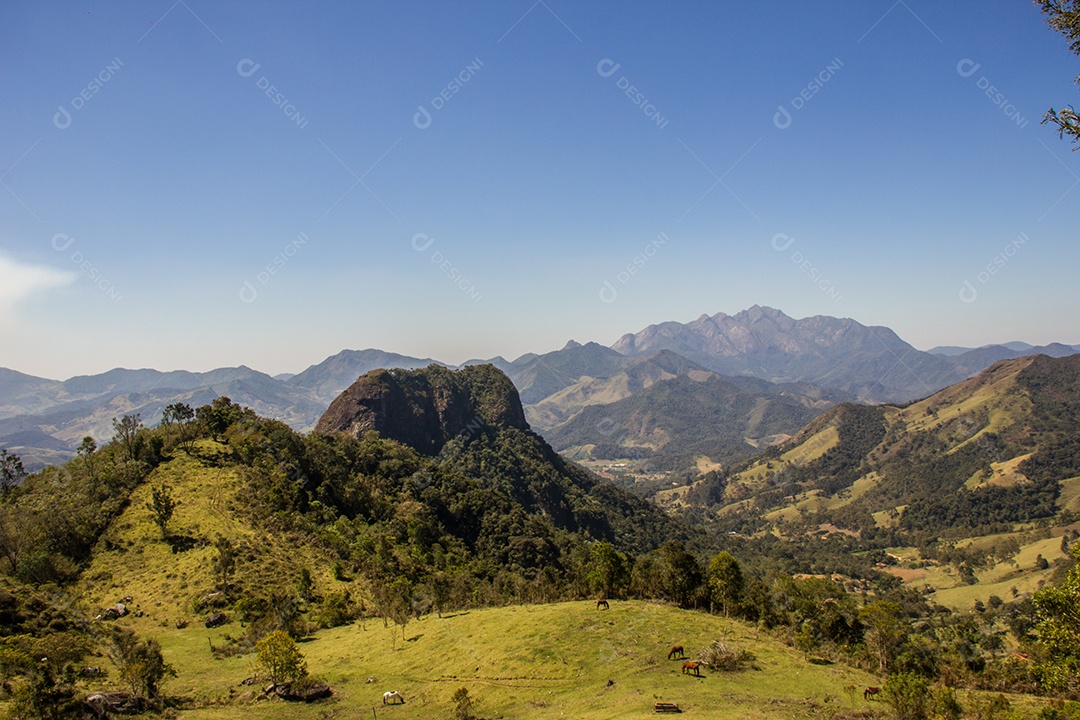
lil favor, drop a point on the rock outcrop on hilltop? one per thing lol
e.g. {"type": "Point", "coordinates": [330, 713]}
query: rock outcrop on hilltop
{"type": "Point", "coordinates": [425, 408]}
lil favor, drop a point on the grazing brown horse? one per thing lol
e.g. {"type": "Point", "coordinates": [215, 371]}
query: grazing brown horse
{"type": "Point", "coordinates": [870, 692]}
{"type": "Point", "coordinates": [691, 666]}
{"type": "Point", "coordinates": [602, 605]}
{"type": "Point", "coordinates": [676, 653]}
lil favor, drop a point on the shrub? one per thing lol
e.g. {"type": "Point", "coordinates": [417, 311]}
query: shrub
{"type": "Point", "coordinates": [723, 658]}
{"type": "Point", "coordinates": [945, 704]}
{"type": "Point", "coordinates": [908, 696]}
{"type": "Point", "coordinates": [277, 652]}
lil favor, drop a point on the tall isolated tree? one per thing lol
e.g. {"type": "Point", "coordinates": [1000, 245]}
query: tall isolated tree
{"type": "Point", "coordinates": [162, 504]}
{"type": "Point", "coordinates": [283, 661]}
{"type": "Point", "coordinates": [11, 471]}
{"type": "Point", "coordinates": [127, 428]}
{"type": "Point", "coordinates": [86, 451]}
{"type": "Point", "coordinates": [1063, 16]}
{"type": "Point", "coordinates": [725, 582]}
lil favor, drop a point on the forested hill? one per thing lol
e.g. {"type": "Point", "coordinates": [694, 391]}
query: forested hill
{"type": "Point", "coordinates": [981, 455]}
{"type": "Point", "coordinates": [471, 422]}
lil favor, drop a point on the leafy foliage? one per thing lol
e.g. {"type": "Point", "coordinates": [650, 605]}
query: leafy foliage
{"type": "Point", "coordinates": [282, 660]}
{"type": "Point", "coordinates": [162, 506]}
{"type": "Point", "coordinates": [1063, 16]}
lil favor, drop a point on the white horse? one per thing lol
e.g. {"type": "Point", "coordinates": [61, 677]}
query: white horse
{"type": "Point", "coordinates": [392, 697]}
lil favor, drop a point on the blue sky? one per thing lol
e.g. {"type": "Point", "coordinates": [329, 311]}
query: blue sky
{"type": "Point", "coordinates": [202, 184]}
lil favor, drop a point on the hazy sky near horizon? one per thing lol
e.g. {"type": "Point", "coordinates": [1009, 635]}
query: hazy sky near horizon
{"type": "Point", "coordinates": [197, 184]}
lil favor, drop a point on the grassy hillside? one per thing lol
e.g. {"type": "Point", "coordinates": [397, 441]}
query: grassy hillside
{"type": "Point", "coordinates": [959, 494]}
{"type": "Point", "coordinates": [531, 661]}
{"type": "Point", "coordinates": [166, 578]}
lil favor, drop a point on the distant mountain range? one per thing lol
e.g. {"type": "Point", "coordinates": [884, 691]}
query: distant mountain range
{"type": "Point", "coordinates": [1020, 347]}
{"type": "Point", "coordinates": [807, 365]}
{"type": "Point", "coordinates": [871, 363]}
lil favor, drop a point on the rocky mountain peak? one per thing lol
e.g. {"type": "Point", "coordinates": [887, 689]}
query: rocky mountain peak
{"type": "Point", "coordinates": [425, 408]}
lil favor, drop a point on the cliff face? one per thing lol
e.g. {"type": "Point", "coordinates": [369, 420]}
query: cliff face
{"type": "Point", "coordinates": [425, 408]}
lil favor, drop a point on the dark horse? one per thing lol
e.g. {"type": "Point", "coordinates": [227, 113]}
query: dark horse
{"type": "Point", "coordinates": [602, 605]}
{"type": "Point", "coordinates": [676, 653]}
{"type": "Point", "coordinates": [870, 692]}
{"type": "Point", "coordinates": [691, 666]}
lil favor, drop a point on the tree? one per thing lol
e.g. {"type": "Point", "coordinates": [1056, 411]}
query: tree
{"type": "Point", "coordinates": [439, 586]}
{"type": "Point", "coordinates": [141, 664]}
{"type": "Point", "coordinates": [606, 569]}
{"type": "Point", "coordinates": [1058, 612]}
{"type": "Point", "coordinates": [44, 696]}
{"type": "Point", "coordinates": [1063, 16]}
{"type": "Point", "coordinates": [908, 695]}
{"type": "Point", "coordinates": [277, 652]}
{"type": "Point", "coordinates": [182, 415]}
{"type": "Point", "coordinates": [219, 415]}
{"type": "Point", "coordinates": [400, 603]}
{"type": "Point", "coordinates": [682, 574]}
{"type": "Point", "coordinates": [86, 451]}
{"type": "Point", "coordinates": [305, 588]}
{"type": "Point", "coordinates": [885, 635]}
{"type": "Point", "coordinates": [162, 505]}
{"type": "Point", "coordinates": [725, 582]}
{"type": "Point", "coordinates": [19, 533]}
{"type": "Point", "coordinates": [224, 562]}
{"type": "Point", "coordinates": [11, 471]}
{"type": "Point", "coordinates": [463, 704]}
{"type": "Point", "coordinates": [126, 429]}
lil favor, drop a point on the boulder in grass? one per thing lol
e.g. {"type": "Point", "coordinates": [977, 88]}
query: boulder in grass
{"type": "Point", "coordinates": [102, 705]}
{"type": "Point", "coordinates": [303, 691]}
{"type": "Point", "coordinates": [215, 619]}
